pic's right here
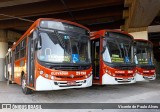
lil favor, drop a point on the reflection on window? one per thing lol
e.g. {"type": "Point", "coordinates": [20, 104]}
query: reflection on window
{"type": "Point", "coordinates": [63, 47]}
{"type": "Point", "coordinates": [143, 56]}
{"type": "Point", "coordinates": [117, 48]}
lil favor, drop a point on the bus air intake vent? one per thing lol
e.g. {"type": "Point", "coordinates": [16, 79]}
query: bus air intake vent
{"type": "Point", "coordinates": [148, 67]}
{"type": "Point", "coordinates": [70, 68]}
{"type": "Point", "coordinates": [125, 67]}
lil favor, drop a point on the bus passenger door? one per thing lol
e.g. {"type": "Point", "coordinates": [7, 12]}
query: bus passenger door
{"type": "Point", "coordinates": [95, 53]}
{"type": "Point", "coordinates": [12, 65]}
{"type": "Point", "coordinates": [30, 61]}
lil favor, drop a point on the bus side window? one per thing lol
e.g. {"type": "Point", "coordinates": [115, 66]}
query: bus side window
{"type": "Point", "coordinates": [23, 48]}
{"type": "Point", "coordinates": [17, 52]}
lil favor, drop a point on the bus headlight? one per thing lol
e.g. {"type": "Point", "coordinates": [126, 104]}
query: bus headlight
{"type": "Point", "coordinates": [88, 75]}
{"type": "Point", "coordinates": [41, 72]}
{"type": "Point", "coordinates": [46, 75]}
{"type": "Point", "coordinates": [52, 77]}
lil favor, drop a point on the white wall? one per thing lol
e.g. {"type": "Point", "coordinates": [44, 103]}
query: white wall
{"type": "Point", "coordinates": [140, 35]}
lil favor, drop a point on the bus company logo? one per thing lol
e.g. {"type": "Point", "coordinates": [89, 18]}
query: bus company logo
{"type": "Point", "coordinates": [145, 71]}
{"type": "Point", "coordinates": [72, 76]}
{"type": "Point", "coordinates": [120, 72]}
{"type": "Point", "coordinates": [59, 73]}
{"type": "Point", "coordinates": [6, 106]}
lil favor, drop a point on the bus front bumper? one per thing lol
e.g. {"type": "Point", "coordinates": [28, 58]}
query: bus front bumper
{"type": "Point", "coordinates": [144, 78]}
{"type": "Point", "coordinates": [109, 80]}
{"type": "Point", "coordinates": [43, 84]}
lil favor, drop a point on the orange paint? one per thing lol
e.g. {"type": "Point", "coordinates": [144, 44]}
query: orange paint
{"type": "Point", "coordinates": [59, 75]}
{"type": "Point", "coordinates": [104, 68]}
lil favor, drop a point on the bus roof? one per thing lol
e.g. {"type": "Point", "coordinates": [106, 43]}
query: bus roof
{"type": "Point", "coordinates": [143, 40]}
{"type": "Point", "coordinates": [98, 34]}
{"type": "Point", "coordinates": [36, 24]}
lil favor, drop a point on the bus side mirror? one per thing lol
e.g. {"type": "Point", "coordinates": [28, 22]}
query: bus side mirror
{"type": "Point", "coordinates": [38, 44]}
{"type": "Point", "coordinates": [104, 48]}
{"type": "Point", "coordinates": [134, 50]}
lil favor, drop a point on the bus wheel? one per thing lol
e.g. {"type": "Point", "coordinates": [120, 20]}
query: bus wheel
{"type": "Point", "coordinates": [23, 85]}
{"type": "Point", "coordinates": [8, 80]}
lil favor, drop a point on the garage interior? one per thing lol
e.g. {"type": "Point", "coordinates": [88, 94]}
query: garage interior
{"type": "Point", "coordinates": [128, 15]}
{"type": "Point", "coordinates": [140, 18]}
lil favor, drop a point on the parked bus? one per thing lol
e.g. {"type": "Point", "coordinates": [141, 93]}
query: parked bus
{"type": "Point", "coordinates": [112, 57]}
{"type": "Point", "coordinates": [144, 60]}
{"type": "Point", "coordinates": [53, 54]}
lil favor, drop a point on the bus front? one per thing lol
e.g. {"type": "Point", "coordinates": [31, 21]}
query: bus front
{"type": "Point", "coordinates": [63, 56]}
{"type": "Point", "coordinates": [144, 60]}
{"type": "Point", "coordinates": [118, 66]}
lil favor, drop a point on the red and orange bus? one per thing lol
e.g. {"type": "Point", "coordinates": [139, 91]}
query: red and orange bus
{"type": "Point", "coordinates": [53, 54]}
{"type": "Point", "coordinates": [112, 57]}
{"type": "Point", "coordinates": [145, 69]}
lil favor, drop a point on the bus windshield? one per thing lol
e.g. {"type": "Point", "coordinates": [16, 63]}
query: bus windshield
{"type": "Point", "coordinates": [64, 47]}
{"type": "Point", "coordinates": [117, 48]}
{"type": "Point", "coordinates": [143, 53]}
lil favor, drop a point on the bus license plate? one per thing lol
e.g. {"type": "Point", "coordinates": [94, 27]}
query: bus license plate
{"type": "Point", "coordinates": [71, 83]}
{"type": "Point", "coordinates": [125, 79]}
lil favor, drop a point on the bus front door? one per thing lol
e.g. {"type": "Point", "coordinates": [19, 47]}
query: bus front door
{"type": "Point", "coordinates": [31, 57]}
{"type": "Point", "coordinates": [95, 53]}
{"type": "Point", "coordinates": [12, 65]}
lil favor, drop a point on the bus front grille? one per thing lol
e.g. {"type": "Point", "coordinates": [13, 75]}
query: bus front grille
{"type": "Point", "coordinates": [65, 84]}
{"type": "Point", "coordinates": [122, 75]}
{"type": "Point", "coordinates": [71, 68]}
{"type": "Point", "coordinates": [69, 77]}
{"type": "Point", "coordinates": [124, 80]}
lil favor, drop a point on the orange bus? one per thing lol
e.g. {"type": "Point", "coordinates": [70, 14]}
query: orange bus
{"type": "Point", "coordinates": [145, 69]}
{"type": "Point", "coordinates": [112, 57]}
{"type": "Point", "coordinates": [53, 54]}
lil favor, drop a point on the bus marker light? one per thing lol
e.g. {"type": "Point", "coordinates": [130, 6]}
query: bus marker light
{"type": "Point", "coordinates": [46, 75]}
{"type": "Point", "coordinates": [41, 72]}
{"type": "Point", "coordinates": [52, 77]}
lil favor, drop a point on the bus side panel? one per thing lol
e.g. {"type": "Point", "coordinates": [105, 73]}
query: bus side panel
{"type": "Point", "coordinates": [20, 66]}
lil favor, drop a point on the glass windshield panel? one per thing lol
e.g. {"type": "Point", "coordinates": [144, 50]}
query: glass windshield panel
{"type": "Point", "coordinates": [117, 48]}
{"type": "Point", "coordinates": [143, 53]}
{"type": "Point", "coordinates": [63, 47]}
{"type": "Point", "coordinates": [57, 25]}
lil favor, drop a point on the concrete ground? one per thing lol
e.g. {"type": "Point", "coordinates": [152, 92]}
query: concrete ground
{"type": "Point", "coordinates": [140, 92]}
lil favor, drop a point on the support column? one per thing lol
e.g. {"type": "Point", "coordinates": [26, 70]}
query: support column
{"type": "Point", "coordinates": [140, 35]}
{"type": "Point", "coordinates": [137, 33]}
{"type": "Point", "coordinates": [3, 51]}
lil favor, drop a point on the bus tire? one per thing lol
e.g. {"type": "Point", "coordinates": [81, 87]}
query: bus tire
{"type": "Point", "coordinates": [8, 80]}
{"type": "Point", "coordinates": [25, 90]}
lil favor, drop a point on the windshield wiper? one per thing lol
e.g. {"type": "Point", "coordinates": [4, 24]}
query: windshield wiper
{"type": "Point", "coordinates": [119, 48]}
{"type": "Point", "coordinates": [60, 39]}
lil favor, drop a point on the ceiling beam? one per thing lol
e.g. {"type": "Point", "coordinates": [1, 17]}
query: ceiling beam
{"type": "Point", "coordinates": [54, 6]}
{"type": "Point", "coordinates": [17, 2]}
{"type": "Point", "coordinates": [81, 16]}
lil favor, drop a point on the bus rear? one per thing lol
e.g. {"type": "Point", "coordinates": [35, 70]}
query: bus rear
{"type": "Point", "coordinates": [112, 57]}
{"type": "Point", "coordinates": [145, 69]}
